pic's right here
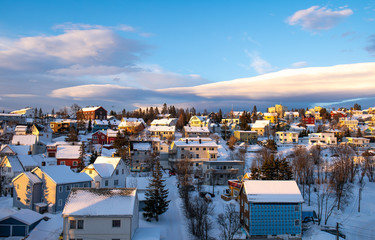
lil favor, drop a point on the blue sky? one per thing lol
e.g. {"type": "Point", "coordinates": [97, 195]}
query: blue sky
{"type": "Point", "coordinates": [128, 54]}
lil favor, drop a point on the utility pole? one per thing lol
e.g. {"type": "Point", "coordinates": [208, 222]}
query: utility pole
{"type": "Point", "coordinates": [337, 231]}
{"type": "Point", "coordinates": [359, 199]}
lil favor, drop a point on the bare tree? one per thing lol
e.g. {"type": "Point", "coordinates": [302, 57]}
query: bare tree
{"type": "Point", "coordinates": [301, 166]}
{"type": "Point", "coordinates": [198, 213]}
{"type": "Point", "coordinates": [229, 222]}
{"type": "Point", "coordinates": [369, 165]}
{"type": "Point", "coordinates": [341, 173]}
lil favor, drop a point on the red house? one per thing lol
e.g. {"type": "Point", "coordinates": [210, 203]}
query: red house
{"type": "Point", "coordinates": [99, 137]}
{"type": "Point", "coordinates": [92, 113]}
{"type": "Point", "coordinates": [339, 114]}
{"type": "Point", "coordinates": [308, 120]}
{"type": "Point", "coordinates": [68, 155]}
{"type": "Point", "coordinates": [111, 136]}
{"type": "Point", "coordinates": [51, 150]}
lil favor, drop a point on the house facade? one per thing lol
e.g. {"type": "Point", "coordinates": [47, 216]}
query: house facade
{"type": "Point", "coordinates": [286, 138]}
{"type": "Point", "coordinates": [68, 155]}
{"type": "Point", "coordinates": [249, 137]}
{"type": "Point", "coordinates": [162, 132]}
{"type": "Point", "coordinates": [109, 214]}
{"type": "Point", "coordinates": [199, 121]}
{"type": "Point", "coordinates": [92, 113]}
{"type": "Point", "coordinates": [107, 172]}
{"type": "Point", "coordinates": [195, 131]}
{"type": "Point", "coordinates": [99, 137]}
{"type": "Point", "coordinates": [271, 209]}
{"type": "Point", "coordinates": [322, 138]}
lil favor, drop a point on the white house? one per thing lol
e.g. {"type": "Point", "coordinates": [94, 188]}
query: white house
{"type": "Point", "coordinates": [286, 138]}
{"type": "Point", "coordinates": [107, 172]}
{"type": "Point", "coordinates": [101, 214]}
{"type": "Point", "coordinates": [322, 139]}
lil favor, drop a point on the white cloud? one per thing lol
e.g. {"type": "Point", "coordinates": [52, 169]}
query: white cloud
{"type": "Point", "coordinates": [260, 65]}
{"type": "Point", "coordinates": [299, 64]}
{"type": "Point", "coordinates": [303, 84]}
{"type": "Point", "coordinates": [82, 26]}
{"type": "Point", "coordinates": [19, 95]}
{"type": "Point", "coordinates": [88, 91]}
{"type": "Point", "coordinates": [318, 18]}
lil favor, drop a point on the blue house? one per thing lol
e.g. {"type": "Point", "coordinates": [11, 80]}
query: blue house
{"type": "Point", "coordinates": [100, 125]}
{"type": "Point", "coordinates": [271, 209]}
{"type": "Point", "coordinates": [47, 187]}
{"type": "Point", "coordinates": [19, 223]}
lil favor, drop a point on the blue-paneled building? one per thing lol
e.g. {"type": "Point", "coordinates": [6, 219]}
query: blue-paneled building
{"type": "Point", "coordinates": [271, 209]}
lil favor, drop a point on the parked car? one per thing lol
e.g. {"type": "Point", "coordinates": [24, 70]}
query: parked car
{"type": "Point", "coordinates": [203, 194]}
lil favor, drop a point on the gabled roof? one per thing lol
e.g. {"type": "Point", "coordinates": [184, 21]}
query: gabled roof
{"type": "Point", "coordinates": [91, 108]}
{"type": "Point", "coordinates": [62, 174]}
{"type": "Point", "coordinates": [24, 140]}
{"type": "Point", "coordinates": [14, 163]}
{"type": "Point", "coordinates": [162, 129]}
{"type": "Point", "coordinates": [100, 202]}
{"type": "Point", "coordinates": [27, 161]}
{"type": "Point", "coordinates": [272, 191]}
{"type": "Point", "coordinates": [26, 216]}
{"type": "Point", "coordinates": [32, 177]}
{"type": "Point", "coordinates": [145, 146]}
{"type": "Point", "coordinates": [196, 129]}
{"type": "Point", "coordinates": [105, 166]}
{"type": "Point", "coordinates": [68, 152]}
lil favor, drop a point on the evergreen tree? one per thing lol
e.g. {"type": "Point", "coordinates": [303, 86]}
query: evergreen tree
{"type": "Point", "coordinates": [121, 144]}
{"type": "Point", "coordinates": [53, 112]}
{"type": "Point", "coordinates": [93, 157]}
{"type": "Point", "coordinates": [89, 127]}
{"type": "Point", "coordinates": [81, 163]}
{"type": "Point", "coordinates": [156, 195]}
{"type": "Point", "coordinates": [72, 135]}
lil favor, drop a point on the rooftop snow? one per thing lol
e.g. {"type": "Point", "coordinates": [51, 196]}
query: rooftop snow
{"type": "Point", "coordinates": [266, 191]}
{"type": "Point", "coordinates": [197, 129]}
{"type": "Point", "coordinates": [100, 202]}
{"type": "Point", "coordinates": [24, 140]}
{"type": "Point", "coordinates": [106, 165]}
{"type": "Point", "coordinates": [162, 129]}
{"type": "Point", "coordinates": [142, 146]}
{"type": "Point", "coordinates": [27, 161]}
{"type": "Point", "coordinates": [62, 174]}
{"type": "Point", "coordinates": [90, 108]}
{"type": "Point", "coordinates": [27, 216]}
{"type": "Point", "coordinates": [15, 163]}
{"type": "Point", "coordinates": [195, 144]}
{"type": "Point", "coordinates": [68, 152]}
{"type": "Point", "coordinates": [33, 177]}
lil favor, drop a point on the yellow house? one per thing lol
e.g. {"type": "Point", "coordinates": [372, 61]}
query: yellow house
{"type": "Point", "coordinates": [199, 121]}
{"type": "Point", "coordinates": [272, 117]}
{"type": "Point", "coordinates": [250, 137]}
{"type": "Point", "coordinates": [62, 126]}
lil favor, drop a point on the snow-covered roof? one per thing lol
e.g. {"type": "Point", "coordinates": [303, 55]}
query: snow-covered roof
{"type": "Point", "coordinates": [90, 108]}
{"type": "Point", "coordinates": [15, 164]}
{"type": "Point", "coordinates": [196, 139]}
{"type": "Point", "coordinates": [195, 143]}
{"type": "Point", "coordinates": [33, 178]}
{"type": "Point", "coordinates": [20, 149]}
{"type": "Point", "coordinates": [111, 133]}
{"type": "Point", "coordinates": [260, 123]}
{"type": "Point", "coordinates": [114, 122]}
{"type": "Point", "coordinates": [100, 202]}
{"type": "Point", "coordinates": [105, 166]}
{"type": "Point", "coordinates": [20, 128]}
{"type": "Point", "coordinates": [24, 140]}
{"type": "Point", "coordinates": [26, 216]}
{"type": "Point", "coordinates": [142, 146]}
{"type": "Point", "coordinates": [197, 129]}
{"type": "Point", "coordinates": [101, 122]}
{"type": "Point", "coordinates": [162, 122]}
{"type": "Point", "coordinates": [162, 129]}
{"type": "Point", "coordinates": [27, 161]}
{"type": "Point", "coordinates": [62, 174]}
{"type": "Point", "coordinates": [267, 191]}
{"type": "Point", "coordinates": [68, 152]}
{"type": "Point", "coordinates": [132, 120]}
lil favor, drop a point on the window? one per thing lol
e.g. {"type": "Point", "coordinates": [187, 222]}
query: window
{"type": "Point", "coordinates": [296, 222]}
{"type": "Point", "coordinates": [116, 223]}
{"type": "Point", "coordinates": [85, 185]}
{"type": "Point", "coordinates": [197, 156]}
{"type": "Point", "coordinates": [67, 188]}
{"type": "Point", "coordinates": [60, 188]}
{"type": "Point", "coordinates": [115, 182]}
{"type": "Point", "coordinates": [122, 171]}
{"type": "Point", "coordinates": [116, 171]}
{"type": "Point", "coordinates": [197, 149]}
{"type": "Point", "coordinates": [18, 198]}
{"type": "Point", "coordinates": [72, 224]}
{"type": "Point", "coordinates": [60, 202]}
{"type": "Point", "coordinates": [204, 149]}
{"type": "Point", "coordinates": [80, 224]}
{"type": "Point", "coordinates": [106, 183]}
{"type": "Point", "coordinates": [28, 187]}
{"type": "Point", "coordinates": [90, 171]}
{"type": "Point", "coordinates": [62, 163]}
{"type": "Point", "coordinates": [181, 149]}
{"type": "Point", "coordinates": [296, 208]}
{"type": "Point", "coordinates": [75, 163]}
